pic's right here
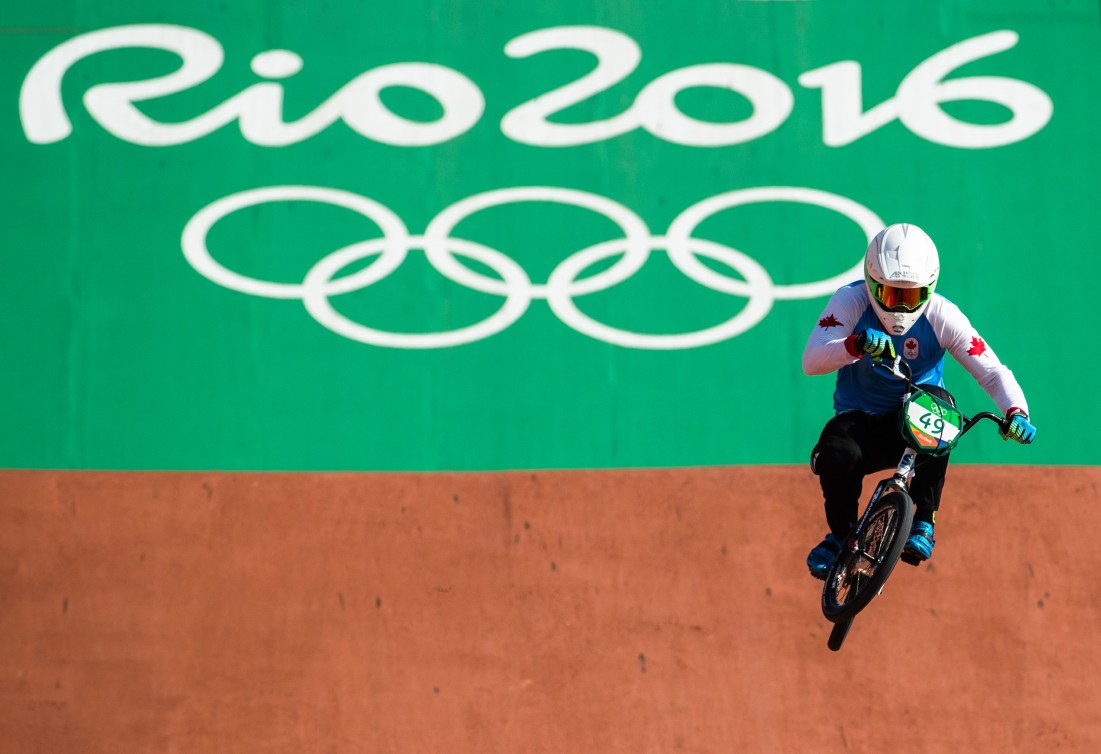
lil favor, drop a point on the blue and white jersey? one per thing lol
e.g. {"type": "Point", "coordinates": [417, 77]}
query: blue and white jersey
{"type": "Point", "coordinates": [942, 328]}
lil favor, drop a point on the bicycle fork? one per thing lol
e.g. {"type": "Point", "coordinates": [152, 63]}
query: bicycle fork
{"type": "Point", "coordinates": [897, 480]}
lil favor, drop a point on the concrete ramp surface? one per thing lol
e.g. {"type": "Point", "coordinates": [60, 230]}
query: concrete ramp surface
{"type": "Point", "coordinates": [590, 612]}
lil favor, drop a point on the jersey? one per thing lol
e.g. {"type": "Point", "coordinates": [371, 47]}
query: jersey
{"type": "Point", "coordinates": [942, 328]}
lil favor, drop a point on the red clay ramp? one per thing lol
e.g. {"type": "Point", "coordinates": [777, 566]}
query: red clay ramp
{"type": "Point", "coordinates": [593, 612]}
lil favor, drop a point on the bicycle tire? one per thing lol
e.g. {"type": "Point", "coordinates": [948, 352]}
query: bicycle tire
{"type": "Point", "coordinates": [860, 571]}
{"type": "Point", "coordinates": [838, 634]}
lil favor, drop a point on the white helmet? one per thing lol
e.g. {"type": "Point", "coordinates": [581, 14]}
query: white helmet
{"type": "Point", "coordinates": [901, 269]}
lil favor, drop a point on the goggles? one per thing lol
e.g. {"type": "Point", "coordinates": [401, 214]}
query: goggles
{"type": "Point", "coordinates": [894, 299]}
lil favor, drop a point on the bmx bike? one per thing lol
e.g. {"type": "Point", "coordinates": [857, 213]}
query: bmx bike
{"type": "Point", "coordinates": [930, 425]}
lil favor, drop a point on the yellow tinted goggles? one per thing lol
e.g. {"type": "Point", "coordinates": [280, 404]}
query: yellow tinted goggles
{"type": "Point", "coordinates": [895, 299]}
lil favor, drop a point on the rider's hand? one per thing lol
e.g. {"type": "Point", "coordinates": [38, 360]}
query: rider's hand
{"type": "Point", "coordinates": [875, 343]}
{"type": "Point", "coordinates": [1019, 428]}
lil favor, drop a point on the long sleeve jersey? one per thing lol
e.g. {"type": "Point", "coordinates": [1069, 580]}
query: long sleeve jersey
{"type": "Point", "coordinates": [941, 328]}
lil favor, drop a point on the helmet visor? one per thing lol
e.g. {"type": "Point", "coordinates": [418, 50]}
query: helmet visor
{"type": "Point", "coordinates": [894, 299]}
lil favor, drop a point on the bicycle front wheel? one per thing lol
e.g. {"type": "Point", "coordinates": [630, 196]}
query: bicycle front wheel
{"type": "Point", "coordinates": [868, 557]}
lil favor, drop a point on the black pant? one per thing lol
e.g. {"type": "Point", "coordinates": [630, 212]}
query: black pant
{"type": "Point", "coordinates": [854, 444]}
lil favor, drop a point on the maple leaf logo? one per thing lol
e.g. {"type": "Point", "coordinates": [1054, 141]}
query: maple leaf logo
{"type": "Point", "coordinates": [828, 321]}
{"type": "Point", "coordinates": [978, 347]}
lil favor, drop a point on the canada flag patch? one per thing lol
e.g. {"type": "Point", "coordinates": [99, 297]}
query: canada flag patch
{"type": "Point", "coordinates": [978, 347]}
{"type": "Point", "coordinates": [828, 321]}
{"type": "Point", "coordinates": [910, 349]}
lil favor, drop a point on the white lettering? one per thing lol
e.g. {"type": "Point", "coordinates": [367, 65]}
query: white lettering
{"type": "Point", "coordinates": [771, 99]}
{"type": "Point", "coordinates": [917, 102]}
{"type": "Point", "coordinates": [616, 56]}
{"type": "Point", "coordinates": [40, 106]}
{"type": "Point", "coordinates": [654, 109]}
{"type": "Point", "coordinates": [362, 109]}
{"type": "Point", "coordinates": [258, 109]}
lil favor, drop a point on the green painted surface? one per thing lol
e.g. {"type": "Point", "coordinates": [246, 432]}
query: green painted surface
{"type": "Point", "coordinates": [119, 354]}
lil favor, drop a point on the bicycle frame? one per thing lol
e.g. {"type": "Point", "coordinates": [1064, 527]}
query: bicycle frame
{"type": "Point", "coordinates": [872, 560]}
{"type": "Point", "coordinates": [906, 465]}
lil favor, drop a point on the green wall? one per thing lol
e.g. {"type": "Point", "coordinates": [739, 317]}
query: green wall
{"type": "Point", "coordinates": [171, 302]}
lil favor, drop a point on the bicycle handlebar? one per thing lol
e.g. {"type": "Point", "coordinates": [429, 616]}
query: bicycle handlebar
{"type": "Point", "coordinates": [895, 369]}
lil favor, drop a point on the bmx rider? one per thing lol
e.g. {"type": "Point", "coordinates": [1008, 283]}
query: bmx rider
{"type": "Point", "coordinates": [894, 310]}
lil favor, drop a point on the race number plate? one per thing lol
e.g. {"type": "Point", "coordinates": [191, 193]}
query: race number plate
{"type": "Point", "coordinates": [932, 424]}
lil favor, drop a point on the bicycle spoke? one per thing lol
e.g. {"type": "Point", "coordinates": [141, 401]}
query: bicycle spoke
{"type": "Point", "coordinates": [867, 558]}
{"type": "Point", "coordinates": [871, 557]}
{"type": "Point", "coordinates": [863, 564]}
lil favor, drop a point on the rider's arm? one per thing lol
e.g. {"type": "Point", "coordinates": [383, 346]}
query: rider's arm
{"type": "Point", "coordinates": [959, 338]}
{"type": "Point", "coordinates": [827, 350]}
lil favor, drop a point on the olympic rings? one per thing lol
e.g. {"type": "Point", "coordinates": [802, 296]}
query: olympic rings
{"type": "Point", "coordinates": [757, 285]}
{"type": "Point", "coordinates": [681, 229]}
{"type": "Point", "coordinates": [197, 254]}
{"type": "Point", "coordinates": [442, 250]}
{"type": "Point", "coordinates": [439, 232]}
{"type": "Point", "coordinates": [319, 281]}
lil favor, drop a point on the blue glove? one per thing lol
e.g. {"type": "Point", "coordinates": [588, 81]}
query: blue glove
{"type": "Point", "coordinates": [1019, 428]}
{"type": "Point", "coordinates": [875, 343]}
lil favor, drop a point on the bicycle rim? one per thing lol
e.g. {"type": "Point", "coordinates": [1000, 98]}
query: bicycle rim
{"type": "Point", "coordinates": [863, 566]}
